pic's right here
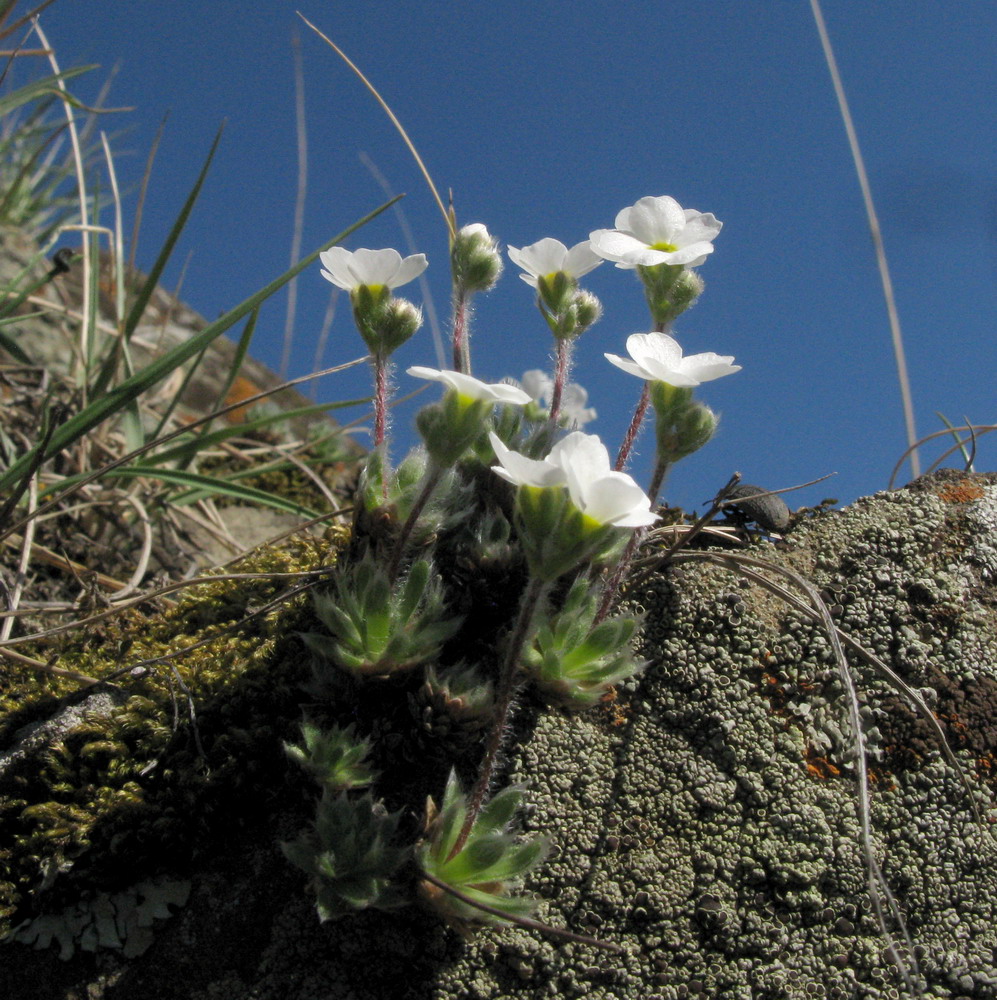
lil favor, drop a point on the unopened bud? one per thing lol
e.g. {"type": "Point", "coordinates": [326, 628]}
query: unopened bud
{"type": "Point", "coordinates": [475, 259]}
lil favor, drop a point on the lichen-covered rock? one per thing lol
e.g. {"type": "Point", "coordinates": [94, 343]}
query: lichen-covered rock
{"type": "Point", "coordinates": [705, 821]}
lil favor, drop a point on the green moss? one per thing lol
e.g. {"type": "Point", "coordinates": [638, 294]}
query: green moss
{"type": "Point", "coordinates": [140, 788]}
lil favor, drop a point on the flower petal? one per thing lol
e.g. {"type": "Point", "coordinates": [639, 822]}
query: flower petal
{"type": "Point", "coordinates": [411, 267]}
{"type": "Point", "coordinates": [613, 245]}
{"type": "Point", "coordinates": [336, 261]}
{"type": "Point", "coordinates": [656, 220]}
{"type": "Point", "coordinates": [522, 471]}
{"type": "Point", "coordinates": [627, 365]}
{"type": "Point", "coordinates": [581, 259]}
{"type": "Point", "coordinates": [468, 385]}
{"type": "Point", "coordinates": [375, 267]}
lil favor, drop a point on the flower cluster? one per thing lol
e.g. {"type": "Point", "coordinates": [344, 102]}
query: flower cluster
{"type": "Point", "coordinates": [508, 506]}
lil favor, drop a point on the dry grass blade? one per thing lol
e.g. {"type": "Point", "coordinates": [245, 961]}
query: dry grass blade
{"type": "Point", "coordinates": [301, 131]}
{"type": "Point", "coordinates": [877, 240]}
{"type": "Point", "coordinates": [974, 430]}
{"type": "Point", "coordinates": [394, 121]}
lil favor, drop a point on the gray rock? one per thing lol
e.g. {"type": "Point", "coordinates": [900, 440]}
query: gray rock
{"type": "Point", "coordinates": [706, 822]}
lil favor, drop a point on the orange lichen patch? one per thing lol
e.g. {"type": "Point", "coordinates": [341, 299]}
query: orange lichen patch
{"type": "Point", "coordinates": [961, 492]}
{"type": "Point", "coordinates": [614, 708]}
{"type": "Point", "coordinates": [820, 767]}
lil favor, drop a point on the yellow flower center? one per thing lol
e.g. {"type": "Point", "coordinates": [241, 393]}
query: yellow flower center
{"type": "Point", "coordinates": [665, 247]}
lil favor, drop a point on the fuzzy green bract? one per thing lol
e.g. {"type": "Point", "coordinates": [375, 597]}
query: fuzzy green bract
{"type": "Point", "coordinates": [489, 865]}
{"type": "Point", "coordinates": [350, 856]}
{"type": "Point", "coordinates": [572, 661]}
{"type": "Point", "coordinates": [377, 629]}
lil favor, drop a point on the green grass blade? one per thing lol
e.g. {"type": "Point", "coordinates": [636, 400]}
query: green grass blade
{"type": "Point", "coordinates": [11, 346]}
{"type": "Point", "coordinates": [211, 486]}
{"type": "Point", "coordinates": [186, 450]}
{"type": "Point", "coordinates": [47, 85]}
{"type": "Point", "coordinates": [241, 349]}
{"type": "Point", "coordinates": [113, 401]}
{"type": "Point", "coordinates": [145, 293]}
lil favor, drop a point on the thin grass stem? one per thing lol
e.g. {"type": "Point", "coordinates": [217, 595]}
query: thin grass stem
{"type": "Point", "coordinates": [877, 240]}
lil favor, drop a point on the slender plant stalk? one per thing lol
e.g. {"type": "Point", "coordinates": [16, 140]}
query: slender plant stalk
{"type": "Point", "coordinates": [461, 348]}
{"type": "Point", "coordinates": [560, 377]}
{"type": "Point", "coordinates": [634, 428]}
{"type": "Point", "coordinates": [299, 202]}
{"type": "Point", "coordinates": [877, 240]}
{"type": "Point", "coordinates": [534, 597]}
{"type": "Point", "coordinates": [432, 480]}
{"type": "Point", "coordinates": [451, 228]}
{"type": "Point", "coordinates": [623, 566]}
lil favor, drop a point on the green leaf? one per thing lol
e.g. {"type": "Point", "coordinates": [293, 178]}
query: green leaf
{"type": "Point", "coordinates": [213, 486]}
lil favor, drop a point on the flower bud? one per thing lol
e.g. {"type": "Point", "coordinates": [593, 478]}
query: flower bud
{"type": "Point", "coordinates": [683, 425]}
{"type": "Point", "coordinates": [451, 426]}
{"type": "Point", "coordinates": [556, 536]}
{"type": "Point", "coordinates": [669, 289]}
{"type": "Point", "coordinates": [384, 322]}
{"type": "Point", "coordinates": [475, 259]}
{"type": "Point", "coordinates": [588, 310]}
{"type": "Point", "coordinates": [687, 288]}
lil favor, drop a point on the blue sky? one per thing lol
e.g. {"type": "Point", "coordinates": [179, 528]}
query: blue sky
{"type": "Point", "coordinates": [545, 120]}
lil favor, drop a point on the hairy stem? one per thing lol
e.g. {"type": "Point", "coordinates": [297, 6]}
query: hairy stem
{"type": "Point", "coordinates": [560, 377]}
{"type": "Point", "coordinates": [432, 481]}
{"type": "Point", "coordinates": [380, 399]}
{"type": "Point", "coordinates": [534, 596]}
{"type": "Point", "coordinates": [633, 429]}
{"type": "Point", "coordinates": [461, 347]}
{"type": "Point", "coordinates": [623, 566]}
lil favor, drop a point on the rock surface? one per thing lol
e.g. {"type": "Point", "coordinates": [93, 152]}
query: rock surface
{"type": "Point", "coordinates": [705, 821]}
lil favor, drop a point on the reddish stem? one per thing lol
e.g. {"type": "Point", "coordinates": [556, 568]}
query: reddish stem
{"type": "Point", "coordinates": [531, 601]}
{"type": "Point", "coordinates": [634, 428]}
{"type": "Point", "coordinates": [461, 351]}
{"type": "Point", "coordinates": [560, 377]}
{"type": "Point", "coordinates": [623, 566]}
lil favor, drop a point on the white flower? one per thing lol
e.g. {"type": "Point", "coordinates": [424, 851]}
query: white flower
{"type": "Point", "coordinates": [384, 268]}
{"type": "Point", "coordinates": [658, 358]}
{"type": "Point", "coordinates": [540, 387]}
{"type": "Point", "coordinates": [547, 256]}
{"type": "Point", "coordinates": [472, 388]}
{"type": "Point", "coordinates": [580, 462]}
{"type": "Point", "coordinates": [657, 231]}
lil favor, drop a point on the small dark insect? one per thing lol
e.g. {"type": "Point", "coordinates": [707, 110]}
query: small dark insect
{"type": "Point", "coordinates": [770, 512]}
{"type": "Point", "coordinates": [61, 261]}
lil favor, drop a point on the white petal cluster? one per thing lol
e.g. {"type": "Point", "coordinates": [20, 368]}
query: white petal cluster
{"type": "Point", "coordinates": [472, 388]}
{"type": "Point", "coordinates": [580, 463]}
{"type": "Point", "coordinates": [387, 268]}
{"type": "Point", "coordinates": [657, 357]}
{"type": "Point", "coordinates": [548, 256]}
{"type": "Point", "coordinates": [657, 231]}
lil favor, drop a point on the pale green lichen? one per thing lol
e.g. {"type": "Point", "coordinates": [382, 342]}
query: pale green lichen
{"type": "Point", "coordinates": [122, 921]}
{"type": "Point", "coordinates": [703, 823]}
